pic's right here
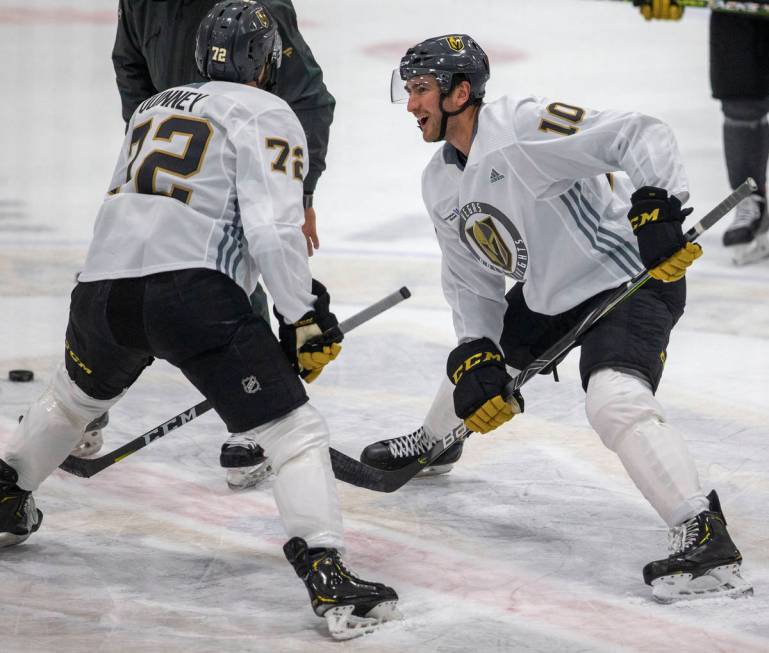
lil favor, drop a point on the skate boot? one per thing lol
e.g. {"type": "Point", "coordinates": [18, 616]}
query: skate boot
{"type": "Point", "coordinates": [19, 517]}
{"type": "Point", "coordinates": [351, 606]}
{"type": "Point", "coordinates": [245, 461]}
{"type": "Point", "coordinates": [92, 440]}
{"type": "Point", "coordinates": [704, 561]}
{"type": "Point", "coordinates": [747, 236]}
{"type": "Point", "coordinates": [398, 452]}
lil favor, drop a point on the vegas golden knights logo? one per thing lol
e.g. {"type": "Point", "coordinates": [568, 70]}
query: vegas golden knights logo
{"type": "Point", "coordinates": [262, 17]}
{"type": "Point", "coordinates": [485, 234]}
{"type": "Point", "coordinates": [456, 43]}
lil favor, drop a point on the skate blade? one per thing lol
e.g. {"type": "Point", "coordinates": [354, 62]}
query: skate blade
{"type": "Point", "coordinates": [242, 478]}
{"type": "Point", "coordinates": [12, 539]}
{"type": "Point", "coordinates": [342, 624]}
{"type": "Point", "coordinates": [751, 252]}
{"type": "Point", "coordinates": [719, 581]}
{"type": "Point", "coordinates": [435, 470]}
{"type": "Point", "coordinates": [9, 539]}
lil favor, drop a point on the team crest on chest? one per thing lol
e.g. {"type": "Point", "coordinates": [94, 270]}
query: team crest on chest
{"type": "Point", "coordinates": [493, 239]}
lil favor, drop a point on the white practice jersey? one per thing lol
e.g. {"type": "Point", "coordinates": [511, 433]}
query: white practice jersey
{"type": "Point", "coordinates": [209, 176]}
{"type": "Point", "coordinates": [536, 202]}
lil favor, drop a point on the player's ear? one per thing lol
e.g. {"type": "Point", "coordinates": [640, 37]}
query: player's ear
{"type": "Point", "coordinates": [462, 92]}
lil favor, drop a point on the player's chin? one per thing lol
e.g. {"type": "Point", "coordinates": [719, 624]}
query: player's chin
{"type": "Point", "coordinates": [429, 135]}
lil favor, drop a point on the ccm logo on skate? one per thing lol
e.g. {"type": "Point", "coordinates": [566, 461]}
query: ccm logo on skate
{"type": "Point", "coordinates": [471, 361]}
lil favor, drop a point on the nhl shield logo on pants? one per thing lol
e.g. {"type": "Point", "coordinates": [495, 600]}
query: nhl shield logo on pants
{"type": "Point", "coordinates": [251, 385]}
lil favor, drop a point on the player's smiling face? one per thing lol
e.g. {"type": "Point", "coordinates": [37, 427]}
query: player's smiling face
{"type": "Point", "coordinates": [425, 105]}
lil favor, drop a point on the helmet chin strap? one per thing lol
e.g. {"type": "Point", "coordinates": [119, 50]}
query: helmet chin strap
{"type": "Point", "coordinates": [447, 114]}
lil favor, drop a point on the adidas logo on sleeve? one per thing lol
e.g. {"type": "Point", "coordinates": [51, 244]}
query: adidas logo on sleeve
{"type": "Point", "coordinates": [495, 176]}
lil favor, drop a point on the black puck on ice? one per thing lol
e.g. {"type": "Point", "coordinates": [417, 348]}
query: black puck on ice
{"type": "Point", "coordinates": [21, 376]}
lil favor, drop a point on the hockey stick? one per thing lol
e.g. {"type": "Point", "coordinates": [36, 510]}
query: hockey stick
{"type": "Point", "coordinates": [87, 467]}
{"type": "Point", "coordinates": [756, 8]}
{"type": "Point", "coordinates": [388, 481]}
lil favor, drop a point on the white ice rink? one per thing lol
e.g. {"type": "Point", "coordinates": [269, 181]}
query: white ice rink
{"type": "Point", "coordinates": [536, 541]}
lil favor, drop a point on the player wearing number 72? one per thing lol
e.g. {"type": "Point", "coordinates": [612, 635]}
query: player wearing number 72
{"type": "Point", "coordinates": [206, 197]}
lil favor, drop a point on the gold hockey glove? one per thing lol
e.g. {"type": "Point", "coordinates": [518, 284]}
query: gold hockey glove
{"type": "Point", "coordinates": [674, 268]}
{"type": "Point", "coordinates": [660, 9]}
{"type": "Point", "coordinates": [302, 343]}
{"type": "Point", "coordinates": [479, 376]}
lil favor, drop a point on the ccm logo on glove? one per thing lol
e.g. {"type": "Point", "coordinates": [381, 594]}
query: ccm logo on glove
{"type": "Point", "coordinates": [479, 376]}
{"type": "Point", "coordinates": [474, 360]}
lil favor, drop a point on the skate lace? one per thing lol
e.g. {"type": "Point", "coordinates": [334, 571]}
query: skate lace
{"type": "Point", "coordinates": [412, 444]}
{"type": "Point", "coordinates": [682, 537]}
{"type": "Point", "coordinates": [748, 212]}
{"type": "Point", "coordinates": [242, 440]}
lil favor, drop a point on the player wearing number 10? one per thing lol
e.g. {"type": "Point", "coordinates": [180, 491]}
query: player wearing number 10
{"type": "Point", "coordinates": [206, 197]}
{"type": "Point", "coordinates": [525, 187]}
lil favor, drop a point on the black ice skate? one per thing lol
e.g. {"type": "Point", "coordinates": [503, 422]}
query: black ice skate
{"type": "Point", "coordinates": [704, 561]}
{"type": "Point", "coordinates": [245, 461]}
{"type": "Point", "coordinates": [19, 517]}
{"type": "Point", "coordinates": [351, 606]}
{"type": "Point", "coordinates": [398, 452]}
{"type": "Point", "coordinates": [747, 236]}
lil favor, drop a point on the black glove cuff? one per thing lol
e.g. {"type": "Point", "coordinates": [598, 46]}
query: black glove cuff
{"type": "Point", "coordinates": [324, 318]}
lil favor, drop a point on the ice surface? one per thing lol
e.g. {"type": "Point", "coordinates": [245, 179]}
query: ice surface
{"type": "Point", "coordinates": [536, 540]}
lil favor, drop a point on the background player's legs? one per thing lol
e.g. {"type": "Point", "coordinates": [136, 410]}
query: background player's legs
{"type": "Point", "coordinates": [746, 147]}
{"type": "Point", "coordinates": [739, 77]}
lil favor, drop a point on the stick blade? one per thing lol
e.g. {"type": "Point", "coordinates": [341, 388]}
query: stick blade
{"type": "Point", "coordinates": [77, 466]}
{"type": "Point", "coordinates": [354, 472]}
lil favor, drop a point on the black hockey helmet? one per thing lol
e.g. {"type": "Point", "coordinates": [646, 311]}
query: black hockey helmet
{"type": "Point", "coordinates": [451, 59]}
{"type": "Point", "coordinates": [235, 39]}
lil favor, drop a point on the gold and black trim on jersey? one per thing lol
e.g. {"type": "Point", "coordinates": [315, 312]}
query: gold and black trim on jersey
{"type": "Point", "coordinates": [493, 239]}
{"type": "Point", "coordinates": [185, 165]}
{"type": "Point", "coordinates": [280, 162]}
{"type": "Point", "coordinates": [563, 119]}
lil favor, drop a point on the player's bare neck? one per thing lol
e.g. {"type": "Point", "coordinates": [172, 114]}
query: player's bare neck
{"type": "Point", "coordinates": [460, 131]}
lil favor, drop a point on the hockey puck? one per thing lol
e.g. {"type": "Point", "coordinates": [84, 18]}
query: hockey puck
{"type": "Point", "coordinates": [22, 376]}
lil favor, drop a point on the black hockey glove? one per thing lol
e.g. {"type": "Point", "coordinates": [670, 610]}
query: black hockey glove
{"type": "Point", "coordinates": [302, 342]}
{"type": "Point", "coordinates": [657, 221]}
{"type": "Point", "coordinates": [479, 376]}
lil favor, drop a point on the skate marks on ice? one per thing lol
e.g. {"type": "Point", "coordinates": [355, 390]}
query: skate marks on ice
{"type": "Point", "coordinates": [178, 575]}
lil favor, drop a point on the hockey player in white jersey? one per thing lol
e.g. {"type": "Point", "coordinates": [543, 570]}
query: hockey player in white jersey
{"type": "Point", "coordinates": [205, 199]}
{"type": "Point", "coordinates": [524, 188]}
